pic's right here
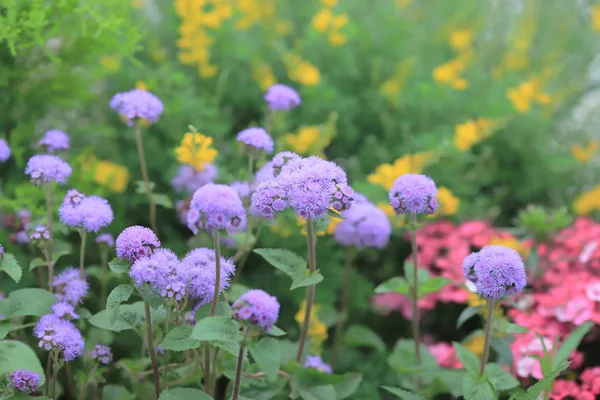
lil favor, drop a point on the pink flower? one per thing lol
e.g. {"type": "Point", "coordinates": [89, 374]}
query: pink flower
{"type": "Point", "coordinates": [590, 380]}
{"type": "Point", "coordinates": [563, 389]}
{"type": "Point", "coordinates": [445, 355]}
{"type": "Point", "coordinates": [592, 291]}
{"type": "Point", "coordinates": [528, 366]}
{"type": "Point", "coordinates": [577, 311]}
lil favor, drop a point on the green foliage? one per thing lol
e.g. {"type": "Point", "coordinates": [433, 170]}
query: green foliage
{"type": "Point", "coordinates": [179, 339]}
{"type": "Point", "coordinates": [267, 355]}
{"type": "Point", "coordinates": [9, 264]}
{"type": "Point", "coordinates": [183, 394]}
{"type": "Point", "coordinates": [119, 295]}
{"type": "Point", "coordinates": [403, 394]}
{"type": "Point", "coordinates": [24, 302]}
{"type": "Point", "coordinates": [119, 265]}
{"type": "Point", "coordinates": [469, 360]}
{"type": "Point", "coordinates": [16, 355]}
{"type": "Point", "coordinates": [359, 335]}
{"type": "Point", "coordinates": [292, 265]}
{"type": "Point", "coordinates": [541, 223]}
{"type": "Point", "coordinates": [219, 329]}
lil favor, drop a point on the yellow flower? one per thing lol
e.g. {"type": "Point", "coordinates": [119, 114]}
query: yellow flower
{"type": "Point", "coordinates": [305, 73]}
{"type": "Point", "coordinates": [333, 222]}
{"type": "Point", "coordinates": [527, 92]}
{"type": "Point", "coordinates": [317, 331]}
{"type": "Point", "coordinates": [449, 73]}
{"type": "Point", "coordinates": [329, 3]}
{"type": "Point", "coordinates": [114, 177]}
{"type": "Point", "coordinates": [141, 85]}
{"type": "Point", "coordinates": [282, 230]}
{"type": "Point", "coordinates": [511, 242]}
{"type": "Point", "coordinates": [475, 344]}
{"type": "Point", "coordinates": [304, 140]}
{"type": "Point", "coordinates": [195, 150]}
{"type": "Point", "coordinates": [337, 39]}
{"type": "Point", "coordinates": [595, 14]}
{"type": "Point", "coordinates": [583, 154]}
{"type": "Point", "coordinates": [587, 201]}
{"type": "Point", "coordinates": [448, 201]}
{"type": "Point", "coordinates": [111, 63]}
{"type": "Point", "coordinates": [283, 27]}
{"type": "Point", "coordinates": [470, 133]}
{"type": "Point", "coordinates": [263, 74]}
{"type": "Point", "coordinates": [386, 174]}
{"type": "Point", "coordinates": [461, 39]}
{"type": "Point", "coordinates": [474, 300]}
{"type": "Point", "coordinates": [322, 20]}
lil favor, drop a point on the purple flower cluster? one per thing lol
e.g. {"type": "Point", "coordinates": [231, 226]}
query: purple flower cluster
{"type": "Point", "coordinates": [242, 188]}
{"type": "Point", "coordinates": [137, 104]}
{"type": "Point", "coordinates": [56, 333]}
{"type": "Point", "coordinates": [89, 212]}
{"type": "Point", "coordinates": [265, 173]}
{"type": "Point", "coordinates": [364, 225]}
{"type": "Point", "coordinates": [216, 208]}
{"type": "Point", "coordinates": [25, 381]}
{"type": "Point", "coordinates": [105, 239]}
{"type": "Point", "coordinates": [256, 139]}
{"type": "Point", "coordinates": [102, 354]}
{"type": "Point", "coordinates": [4, 151]}
{"type": "Point", "coordinates": [54, 140]}
{"type": "Point", "coordinates": [414, 194]}
{"type": "Point", "coordinates": [64, 310]}
{"type": "Point", "coordinates": [257, 307]}
{"type": "Point", "coordinates": [162, 271]}
{"type": "Point", "coordinates": [282, 98]}
{"type": "Point", "coordinates": [200, 265]}
{"type": "Point", "coordinates": [43, 168]}
{"type": "Point", "coordinates": [136, 242]}
{"type": "Point", "coordinates": [69, 287]}
{"type": "Point", "coordinates": [2, 251]}
{"type": "Point", "coordinates": [495, 271]}
{"type": "Point", "coordinates": [308, 185]}
{"type": "Point", "coordinates": [40, 236]}
{"type": "Point", "coordinates": [316, 362]}
{"type": "Point", "coordinates": [189, 180]}
{"type": "Point", "coordinates": [20, 224]}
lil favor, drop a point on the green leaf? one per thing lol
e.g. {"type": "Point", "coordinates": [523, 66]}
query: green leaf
{"type": "Point", "coordinates": [222, 329]}
{"type": "Point", "coordinates": [148, 294]}
{"type": "Point", "coordinates": [284, 260]}
{"type": "Point", "coordinates": [452, 379]}
{"type": "Point", "coordinates": [571, 343]}
{"type": "Point", "coordinates": [130, 315]}
{"type": "Point", "coordinates": [58, 254]}
{"type": "Point", "coordinates": [477, 388]}
{"type": "Point", "coordinates": [119, 265]}
{"type": "Point", "coordinates": [9, 264]}
{"type": "Point", "coordinates": [36, 262]}
{"type": "Point", "coordinates": [321, 223]}
{"type": "Point", "coordinates": [141, 187]}
{"type": "Point", "coordinates": [504, 326]}
{"type": "Point", "coordinates": [162, 200]}
{"type": "Point", "coordinates": [403, 394]}
{"type": "Point", "coordinates": [334, 214]}
{"type": "Point", "coordinates": [266, 353]}
{"type": "Point", "coordinates": [116, 392]}
{"type": "Point", "coordinates": [100, 320]}
{"type": "Point", "coordinates": [178, 339]}
{"type": "Point", "coordinates": [545, 384]}
{"type": "Point", "coordinates": [404, 360]}
{"type": "Point", "coordinates": [223, 310]}
{"type": "Point", "coordinates": [119, 295]}
{"type": "Point", "coordinates": [359, 335]}
{"type": "Point", "coordinates": [5, 327]}
{"type": "Point", "coordinates": [432, 285]}
{"type": "Point", "coordinates": [501, 379]}
{"type": "Point", "coordinates": [304, 278]}
{"type": "Point", "coordinates": [184, 394]}
{"type": "Point", "coordinates": [396, 285]}
{"type": "Point", "coordinates": [276, 331]}
{"type": "Point", "coordinates": [469, 360]}
{"type": "Point", "coordinates": [466, 315]}
{"type": "Point", "coordinates": [16, 355]}
{"type": "Point", "coordinates": [503, 351]}
{"type": "Point", "coordinates": [326, 392]}
{"type": "Point", "coordinates": [346, 385]}
{"type": "Point", "coordinates": [422, 274]}
{"type": "Point", "coordinates": [31, 301]}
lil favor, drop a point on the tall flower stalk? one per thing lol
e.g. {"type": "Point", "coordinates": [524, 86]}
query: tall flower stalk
{"type": "Point", "coordinates": [83, 236]}
{"type": "Point", "coordinates": [144, 170]}
{"type": "Point", "coordinates": [311, 240]}
{"type": "Point", "coordinates": [488, 335]}
{"type": "Point", "coordinates": [49, 222]}
{"type": "Point", "coordinates": [415, 294]}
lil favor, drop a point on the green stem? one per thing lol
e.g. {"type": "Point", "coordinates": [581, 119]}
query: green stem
{"type": "Point", "coordinates": [488, 335]}
{"type": "Point", "coordinates": [151, 349]}
{"type": "Point", "coordinates": [250, 168]}
{"type": "Point", "coordinates": [104, 280]}
{"type": "Point", "coordinates": [239, 368]}
{"type": "Point", "coordinates": [54, 375]}
{"type": "Point", "coordinates": [48, 191]}
{"type": "Point", "coordinates": [217, 243]}
{"type": "Point", "coordinates": [48, 371]}
{"type": "Point", "coordinates": [167, 358]}
{"type": "Point", "coordinates": [144, 170]}
{"type": "Point", "coordinates": [83, 235]}
{"type": "Point", "coordinates": [345, 295]}
{"type": "Point", "coordinates": [415, 296]}
{"type": "Point", "coordinates": [86, 383]}
{"type": "Point", "coordinates": [310, 291]}
{"type": "Point", "coordinates": [206, 367]}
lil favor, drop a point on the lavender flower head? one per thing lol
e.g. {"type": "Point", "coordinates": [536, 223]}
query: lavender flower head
{"type": "Point", "coordinates": [102, 354]}
{"type": "Point", "coordinates": [281, 159]}
{"type": "Point", "coordinates": [282, 98]}
{"type": "Point", "coordinates": [267, 199]}
{"type": "Point", "coordinates": [137, 104]}
{"type": "Point", "coordinates": [136, 242]}
{"type": "Point", "coordinates": [242, 188]}
{"type": "Point", "coordinates": [25, 381]}
{"type": "Point", "coordinates": [364, 225]}
{"type": "Point", "coordinates": [256, 139]}
{"type": "Point", "coordinates": [257, 307]}
{"type": "Point", "coordinates": [163, 272]}
{"type": "Point", "coordinates": [40, 236]}
{"type": "Point", "coordinates": [91, 213]}
{"type": "Point", "coordinates": [265, 173]}
{"type": "Point", "coordinates": [200, 265]}
{"type": "Point", "coordinates": [188, 180]}
{"type": "Point", "coordinates": [105, 239]}
{"type": "Point", "coordinates": [2, 251]}
{"type": "Point", "coordinates": [495, 271]}
{"type": "Point", "coordinates": [64, 310]}
{"type": "Point", "coordinates": [58, 334]}
{"type": "Point", "coordinates": [43, 168]}
{"type": "Point", "coordinates": [69, 287]}
{"type": "Point", "coordinates": [216, 208]}
{"type": "Point", "coordinates": [316, 362]}
{"type": "Point", "coordinates": [414, 194]}
{"type": "Point", "coordinates": [4, 151]}
{"type": "Point", "coordinates": [54, 140]}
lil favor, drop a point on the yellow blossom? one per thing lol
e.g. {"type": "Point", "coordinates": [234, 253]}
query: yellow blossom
{"type": "Point", "coordinates": [461, 39]}
{"type": "Point", "coordinates": [304, 140]}
{"type": "Point", "coordinates": [114, 177]}
{"type": "Point", "coordinates": [523, 95]}
{"type": "Point", "coordinates": [386, 174]}
{"type": "Point", "coordinates": [329, 3]}
{"type": "Point", "coordinates": [317, 331]}
{"type": "Point", "coordinates": [583, 154]}
{"type": "Point", "coordinates": [395, 219]}
{"type": "Point", "coordinates": [448, 202]}
{"type": "Point", "coordinates": [263, 75]}
{"type": "Point", "coordinates": [138, 3]}
{"type": "Point", "coordinates": [595, 14]}
{"type": "Point", "coordinates": [305, 73]}
{"type": "Point", "coordinates": [475, 344]}
{"type": "Point", "coordinates": [475, 300]}
{"type": "Point", "coordinates": [337, 39]}
{"type": "Point", "coordinates": [326, 22]}
{"type": "Point", "coordinates": [511, 242]}
{"type": "Point", "coordinates": [587, 201]}
{"type": "Point", "coordinates": [322, 20]}
{"type": "Point", "coordinates": [195, 149]}
{"type": "Point", "coordinates": [469, 133]}
{"type": "Point", "coordinates": [111, 63]}
{"type": "Point", "coordinates": [141, 85]}
{"type": "Point", "coordinates": [449, 73]}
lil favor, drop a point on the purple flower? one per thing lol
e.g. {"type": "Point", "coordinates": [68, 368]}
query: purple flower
{"type": "Point", "coordinates": [54, 140]}
{"type": "Point", "coordinates": [242, 188]}
{"type": "Point", "coordinates": [4, 151]}
{"type": "Point", "coordinates": [267, 199]}
{"type": "Point", "coordinates": [160, 350]}
{"type": "Point", "coordinates": [281, 159]}
{"type": "Point", "coordinates": [40, 236]}
{"type": "Point", "coordinates": [414, 194]}
{"type": "Point", "coordinates": [64, 310]}
{"type": "Point", "coordinates": [105, 239]}
{"type": "Point", "coordinates": [91, 213]}
{"type": "Point", "coordinates": [58, 334]}
{"type": "Point", "coordinates": [496, 271]}
{"type": "Point", "coordinates": [102, 354]}
{"type": "Point", "coordinates": [282, 97]}
{"type": "Point", "coordinates": [136, 242]}
{"type": "Point", "coordinates": [25, 381]}
{"type": "Point", "coordinates": [257, 307]}
{"type": "Point", "coordinates": [190, 318]}
{"type": "Point", "coordinates": [316, 362]}
{"type": "Point", "coordinates": [2, 251]}
{"type": "Point", "coordinates": [200, 265]}
{"type": "Point", "coordinates": [163, 272]}
{"type": "Point", "coordinates": [257, 139]}
{"type": "Point", "coordinates": [20, 237]}
{"type": "Point", "coordinates": [215, 208]}
{"type": "Point", "coordinates": [44, 168]}
{"type": "Point", "coordinates": [265, 173]}
{"type": "Point", "coordinates": [137, 104]}
{"type": "Point", "coordinates": [69, 287]}
{"type": "Point", "coordinates": [364, 225]}
{"type": "Point", "coordinates": [189, 180]}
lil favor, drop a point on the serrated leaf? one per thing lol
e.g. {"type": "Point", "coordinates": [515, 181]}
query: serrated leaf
{"type": "Point", "coordinates": [359, 335]}
{"type": "Point", "coordinates": [184, 394]}
{"type": "Point", "coordinates": [403, 394]}
{"type": "Point", "coordinates": [9, 264]}
{"type": "Point", "coordinates": [571, 343]}
{"type": "Point", "coordinates": [119, 295]}
{"type": "Point", "coordinates": [30, 301]}
{"type": "Point", "coordinates": [100, 320]}
{"type": "Point", "coordinates": [36, 262]}
{"type": "Point", "coordinates": [266, 353]}
{"type": "Point", "coordinates": [469, 360]}
{"type": "Point", "coordinates": [432, 285]}
{"type": "Point", "coordinates": [395, 285]}
{"type": "Point", "coordinates": [286, 261]}
{"type": "Point", "coordinates": [178, 339]}
{"type": "Point", "coordinates": [119, 265]}
{"type": "Point", "coordinates": [222, 329]}
{"type": "Point", "coordinates": [326, 392]}
{"type": "Point", "coordinates": [500, 378]}
{"type": "Point", "coordinates": [466, 315]}
{"type": "Point", "coordinates": [304, 278]}
{"type": "Point", "coordinates": [477, 388]}
{"type": "Point", "coordinates": [148, 294]}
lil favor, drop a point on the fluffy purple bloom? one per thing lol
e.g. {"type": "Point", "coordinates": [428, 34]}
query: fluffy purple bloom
{"type": "Point", "coordinates": [190, 318]}
{"type": "Point", "coordinates": [2, 251]}
{"type": "Point", "coordinates": [216, 208]}
{"type": "Point", "coordinates": [200, 265]}
{"type": "Point", "coordinates": [40, 235]}
{"type": "Point", "coordinates": [189, 180]}
{"type": "Point", "coordinates": [257, 139]}
{"type": "Point", "coordinates": [267, 199]}
{"type": "Point", "coordinates": [91, 213]}
{"type": "Point", "coordinates": [102, 354]}
{"type": "Point", "coordinates": [69, 287]}
{"type": "Point", "coordinates": [20, 237]}
{"type": "Point", "coordinates": [4, 151]}
{"type": "Point", "coordinates": [282, 98]}
{"type": "Point", "coordinates": [105, 239]}
{"type": "Point", "coordinates": [43, 168]}
{"type": "Point", "coordinates": [163, 272]}
{"type": "Point", "coordinates": [414, 194]}
{"type": "Point", "coordinates": [54, 140]}
{"type": "Point", "coordinates": [64, 310]}
{"type": "Point", "coordinates": [496, 271]}
{"type": "Point", "coordinates": [160, 350]}
{"type": "Point", "coordinates": [137, 104]}
{"type": "Point", "coordinates": [257, 307]}
{"type": "Point", "coordinates": [58, 334]}
{"type": "Point", "coordinates": [242, 188]}
{"type": "Point", "coordinates": [25, 381]}
{"type": "Point", "coordinates": [316, 362]}
{"type": "Point", "coordinates": [265, 173]}
{"type": "Point", "coordinates": [281, 159]}
{"type": "Point", "coordinates": [136, 242]}
{"type": "Point", "coordinates": [364, 225]}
